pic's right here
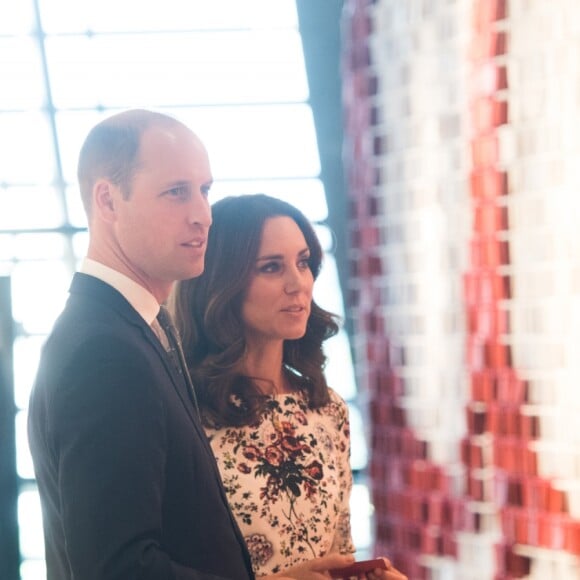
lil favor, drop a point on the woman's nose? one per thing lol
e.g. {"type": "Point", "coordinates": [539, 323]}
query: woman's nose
{"type": "Point", "coordinates": [295, 280]}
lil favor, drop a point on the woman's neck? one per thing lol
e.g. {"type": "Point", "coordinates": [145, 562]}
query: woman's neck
{"type": "Point", "coordinates": [264, 365]}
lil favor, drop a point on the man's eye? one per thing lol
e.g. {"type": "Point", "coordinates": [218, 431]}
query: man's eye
{"type": "Point", "coordinates": [179, 191]}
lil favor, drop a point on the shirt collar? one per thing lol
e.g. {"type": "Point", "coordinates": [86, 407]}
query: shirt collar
{"type": "Point", "coordinates": [140, 298]}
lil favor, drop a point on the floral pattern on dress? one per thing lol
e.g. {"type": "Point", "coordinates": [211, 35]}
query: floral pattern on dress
{"type": "Point", "coordinates": [288, 480]}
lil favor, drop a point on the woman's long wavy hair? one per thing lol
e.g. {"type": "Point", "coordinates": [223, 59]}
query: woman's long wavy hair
{"type": "Point", "coordinates": [207, 310]}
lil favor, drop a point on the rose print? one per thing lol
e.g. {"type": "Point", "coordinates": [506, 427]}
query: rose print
{"type": "Point", "coordinates": [314, 470]}
{"type": "Point", "coordinates": [286, 477]}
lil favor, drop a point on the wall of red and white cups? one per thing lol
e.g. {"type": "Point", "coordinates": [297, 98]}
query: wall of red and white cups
{"type": "Point", "coordinates": [462, 126]}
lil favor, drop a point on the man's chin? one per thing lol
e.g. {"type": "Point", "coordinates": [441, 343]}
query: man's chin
{"type": "Point", "coordinates": [192, 273]}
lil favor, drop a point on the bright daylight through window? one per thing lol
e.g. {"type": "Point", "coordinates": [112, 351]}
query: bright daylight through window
{"type": "Point", "coordinates": [234, 71]}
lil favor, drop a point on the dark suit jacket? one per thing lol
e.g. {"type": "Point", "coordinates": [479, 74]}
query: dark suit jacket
{"type": "Point", "coordinates": [128, 483]}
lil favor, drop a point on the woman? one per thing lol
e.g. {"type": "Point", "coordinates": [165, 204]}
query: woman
{"type": "Point", "coordinates": [252, 336]}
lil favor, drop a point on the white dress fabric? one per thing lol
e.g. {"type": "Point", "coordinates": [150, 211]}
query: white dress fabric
{"type": "Point", "coordinates": [288, 480]}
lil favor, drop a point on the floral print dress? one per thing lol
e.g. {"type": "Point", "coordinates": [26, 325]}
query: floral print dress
{"type": "Point", "coordinates": [288, 480]}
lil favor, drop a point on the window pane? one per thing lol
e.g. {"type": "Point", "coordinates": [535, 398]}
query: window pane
{"type": "Point", "coordinates": [136, 15]}
{"type": "Point", "coordinates": [37, 310]}
{"type": "Point", "coordinates": [32, 570]}
{"type": "Point", "coordinates": [26, 148]}
{"type": "Point", "coordinates": [325, 236]}
{"type": "Point", "coordinates": [26, 356]}
{"type": "Point", "coordinates": [20, 71]}
{"type": "Point", "coordinates": [16, 17]}
{"type": "Point", "coordinates": [232, 70]}
{"type": "Point", "coordinates": [30, 207]}
{"type": "Point", "coordinates": [257, 142]}
{"type": "Point", "coordinates": [361, 511]}
{"type": "Point", "coordinates": [76, 212]}
{"type": "Point", "coordinates": [306, 194]}
{"type": "Point", "coordinates": [24, 465]}
{"type": "Point", "coordinates": [326, 290]}
{"type": "Point", "coordinates": [29, 521]}
{"type": "Point", "coordinates": [339, 372]}
{"type": "Point", "coordinates": [45, 246]}
{"type": "Point", "coordinates": [6, 245]}
{"type": "Point", "coordinates": [177, 69]}
{"type": "Point", "coordinates": [80, 246]}
{"type": "Point", "coordinates": [72, 128]}
{"type": "Point", "coordinates": [245, 142]}
{"type": "Point", "coordinates": [358, 457]}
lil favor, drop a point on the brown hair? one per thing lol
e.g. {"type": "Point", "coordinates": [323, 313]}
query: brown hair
{"type": "Point", "coordinates": [208, 314]}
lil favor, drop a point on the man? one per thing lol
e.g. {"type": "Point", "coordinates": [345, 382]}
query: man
{"type": "Point", "coordinates": [128, 484]}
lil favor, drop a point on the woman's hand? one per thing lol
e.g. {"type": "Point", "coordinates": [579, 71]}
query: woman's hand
{"type": "Point", "coordinates": [317, 569]}
{"type": "Point", "coordinates": [391, 573]}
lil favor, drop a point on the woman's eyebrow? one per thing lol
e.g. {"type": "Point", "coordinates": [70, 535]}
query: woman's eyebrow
{"type": "Point", "coordinates": [269, 257]}
{"type": "Point", "coordinates": [306, 250]}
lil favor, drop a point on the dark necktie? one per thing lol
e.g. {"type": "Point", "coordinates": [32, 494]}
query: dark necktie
{"type": "Point", "coordinates": [164, 319]}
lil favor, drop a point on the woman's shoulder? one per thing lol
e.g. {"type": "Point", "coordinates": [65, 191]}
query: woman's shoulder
{"type": "Point", "coordinates": [336, 408]}
{"type": "Point", "coordinates": [336, 399]}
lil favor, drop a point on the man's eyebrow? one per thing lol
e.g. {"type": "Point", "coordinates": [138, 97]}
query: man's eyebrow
{"type": "Point", "coordinates": [177, 183]}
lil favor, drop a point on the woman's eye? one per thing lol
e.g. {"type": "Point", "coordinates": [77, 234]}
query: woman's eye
{"type": "Point", "coordinates": [304, 264]}
{"type": "Point", "coordinates": [270, 267]}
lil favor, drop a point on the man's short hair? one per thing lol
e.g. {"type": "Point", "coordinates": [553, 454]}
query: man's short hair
{"type": "Point", "coordinates": [111, 150]}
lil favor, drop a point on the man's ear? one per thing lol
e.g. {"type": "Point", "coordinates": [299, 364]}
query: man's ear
{"type": "Point", "coordinates": [104, 200]}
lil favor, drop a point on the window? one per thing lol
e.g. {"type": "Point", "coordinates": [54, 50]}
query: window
{"type": "Point", "coordinates": [234, 71]}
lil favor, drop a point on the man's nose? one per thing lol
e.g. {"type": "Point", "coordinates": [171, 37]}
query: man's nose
{"type": "Point", "coordinates": [200, 210]}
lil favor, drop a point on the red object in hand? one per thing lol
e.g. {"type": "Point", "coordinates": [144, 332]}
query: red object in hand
{"type": "Point", "coordinates": [357, 568]}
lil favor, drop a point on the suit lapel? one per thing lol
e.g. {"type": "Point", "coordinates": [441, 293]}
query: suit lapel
{"type": "Point", "coordinates": [83, 284]}
{"type": "Point", "coordinates": [177, 379]}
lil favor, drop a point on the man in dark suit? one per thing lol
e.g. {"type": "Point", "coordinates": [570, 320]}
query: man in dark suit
{"type": "Point", "coordinates": [128, 484]}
